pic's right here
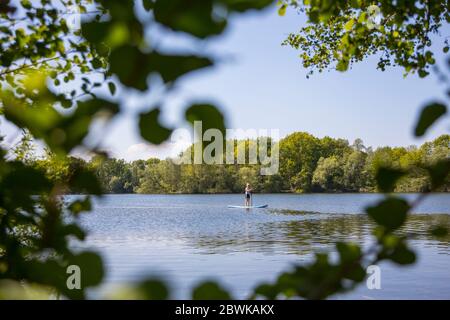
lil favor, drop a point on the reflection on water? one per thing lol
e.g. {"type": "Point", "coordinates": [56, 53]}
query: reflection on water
{"type": "Point", "coordinates": [189, 238]}
{"type": "Point", "coordinates": [317, 231]}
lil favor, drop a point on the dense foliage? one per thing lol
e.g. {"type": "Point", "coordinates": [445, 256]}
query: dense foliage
{"type": "Point", "coordinates": [344, 32]}
{"type": "Point", "coordinates": [51, 77]}
{"type": "Point", "coordinates": [307, 164]}
{"type": "Point", "coordinates": [50, 80]}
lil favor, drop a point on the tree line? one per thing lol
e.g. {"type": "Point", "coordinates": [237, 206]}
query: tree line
{"type": "Point", "coordinates": [307, 164]}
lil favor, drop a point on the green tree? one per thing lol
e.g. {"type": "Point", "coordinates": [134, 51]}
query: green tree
{"type": "Point", "coordinates": [328, 175]}
{"type": "Point", "coordinates": [299, 153]}
{"type": "Point", "coordinates": [340, 33]}
{"type": "Point", "coordinates": [355, 176]}
{"type": "Point", "coordinates": [46, 66]}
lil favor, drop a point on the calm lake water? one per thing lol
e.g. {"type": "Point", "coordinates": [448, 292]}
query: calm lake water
{"type": "Point", "coordinates": [189, 238]}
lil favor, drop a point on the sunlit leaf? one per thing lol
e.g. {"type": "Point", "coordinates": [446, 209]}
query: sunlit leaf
{"type": "Point", "coordinates": [79, 206]}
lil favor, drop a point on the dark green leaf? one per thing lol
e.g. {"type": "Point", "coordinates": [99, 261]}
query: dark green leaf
{"type": "Point", "coordinates": [194, 17]}
{"type": "Point", "coordinates": [348, 252]}
{"type": "Point", "coordinates": [112, 87]}
{"type": "Point", "coordinates": [153, 289]}
{"type": "Point", "coordinates": [150, 128]}
{"type": "Point", "coordinates": [439, 173]}
{"type": "Point", "coordinates": [423, 73]}
{"type": "Point", "coordinates": [209, 115]}
{"type": "Point", "coordinates": [403, 255]}
{"type": "Point", "coordinates": [210, 291]}
{"type": "Point", "coordinates": [95, 31]}
{"type": "Point", "coordinates": [428, 116]}
{"type": "Point", "coordinates": [267, 291]}
{"type": "Point", "coordinates": [73, 230]}
{"type": "Point", "coordinates": [387, 177]}
{"type": "Point", "coordinates": [131, 66]}
{"type": "Point", "coordinates": [91, 266]}
{"type": "Point", "coordinates": [390, 213]}
{"type": "Point", "coordinates": [244, 5]}
{"type": "Point", "coordinates": [72, 130]}
{"type": "Point", "coordinates": [439, 231]}
{"type": "Point", "coordinates": [85, 181]}
{"type": "Point", "coordinates": [148, 4]}
{"type": "Point", "coordinates": [171, 67]}
{"type": "Point", "coordinates": [355, 272]}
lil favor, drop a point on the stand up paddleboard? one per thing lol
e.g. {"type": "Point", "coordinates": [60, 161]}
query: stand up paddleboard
{"type": "Point", "coordinates": [249, 207]}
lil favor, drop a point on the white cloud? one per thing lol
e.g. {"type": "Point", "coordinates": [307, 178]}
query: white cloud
{"type": "Point", "coordinates": [165, 150]}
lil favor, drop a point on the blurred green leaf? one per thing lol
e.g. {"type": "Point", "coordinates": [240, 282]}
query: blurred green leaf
{"type": "Point", "coordinates": [85, 181]}
{"type": "Point", "coordinates": [267, 290]}
{"type": "Point", "coordinates": [439, 231]}
{"type": "Point", "coordinates": [428, 116]}
{"type": "Point", "coordinates": [61, 133]}
{"type": "Point", "coordinates": [28, 180]}
{"type": "Point", "coordinates": [79, 206]}
{"type": "Point", "coordinates": [171, 67]}
{"type": "Point", "coordinates": [150, 128]}
{"type": "Point", "coordinates": [130, 65]}
{"type": "Point", "coordinates": [91, 267]}
{"type": "Point", "coordinates": [194, 17]}
{"type": "Point", "coordinates": [282, 10]}
{"type": "Point", "coordinates": [72, 130]}
{"type": "Point", "coordinates": [208, 114]}
{"type": "Point", "coordinates": [210, 291]}
{"type": "Point", "coordinates": [73, 230]}
{"type": "Point", "coordinates": [148, 4]}
{"type": "Point", "coordinates": [95, 31]}
{"type": "Point", "coordinates": [390, 213]}
{"type": "Point", "coordinates": [133, 67]}
{"type": "Point", "coordinates": [153, 289]}
{"type": "Point", "coordinates": [355, 272]}
{"type": "Point", "coordinates": [244, 5]}
{"type": "Point", "coordinates": [19, 183]}
{"type": "Point", "coordinates": [403, 255]}
{"type": "Point", "coordinates": [387, 177]}
{"type": "Point", "coordinates": [439, 173]}
{"type": "Point", "coordinates": [49, 272]}
{"type": "Point", "coordinates": [348, 252]}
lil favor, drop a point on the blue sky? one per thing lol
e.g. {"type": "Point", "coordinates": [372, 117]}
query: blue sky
{"type": "Point", "coordinates": [260, 84]}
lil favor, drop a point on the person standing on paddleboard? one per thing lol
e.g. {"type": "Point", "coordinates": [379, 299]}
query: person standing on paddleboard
{"type": "Point", "coordinates": [248, 195]}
